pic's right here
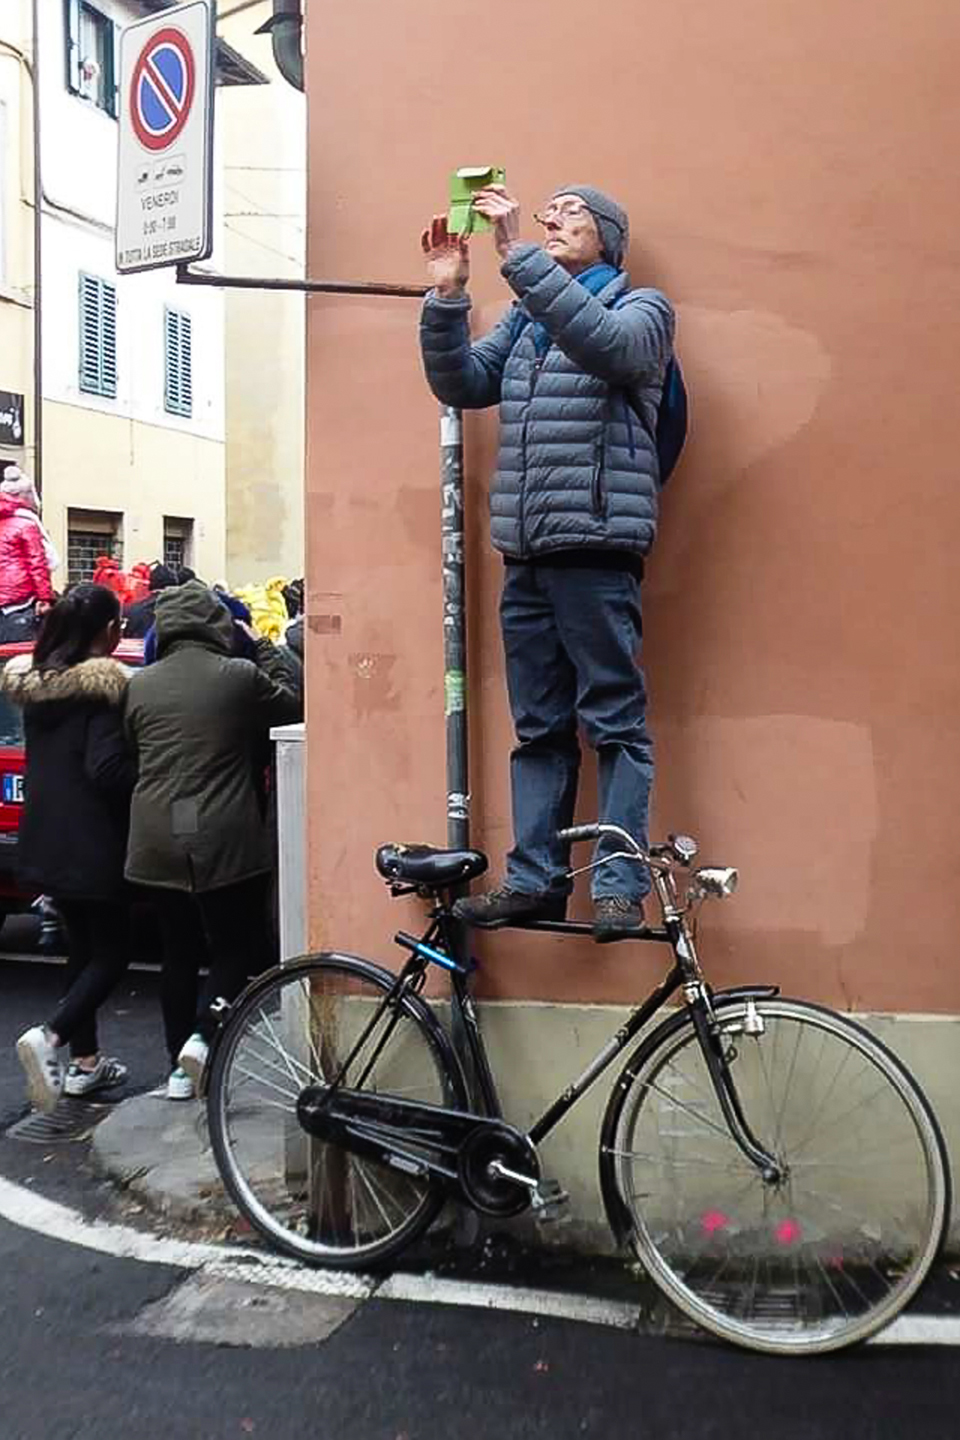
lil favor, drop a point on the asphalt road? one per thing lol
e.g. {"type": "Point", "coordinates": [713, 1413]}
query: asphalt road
{"type": "Point", "coordinates": [93, 1346]}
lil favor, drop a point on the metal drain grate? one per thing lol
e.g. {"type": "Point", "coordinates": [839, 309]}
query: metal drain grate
{"type": "Point", "coordinates": [72, 1120]}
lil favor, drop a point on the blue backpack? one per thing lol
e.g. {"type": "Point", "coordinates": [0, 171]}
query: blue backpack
{"type": "Point", "coordinates": [671, 430]}
{"type": "Point", "coordinates": [671, 419]}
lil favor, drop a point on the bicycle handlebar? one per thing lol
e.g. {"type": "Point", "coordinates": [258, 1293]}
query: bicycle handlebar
{"type": "Point", "coordinates": [594, 832]}
{"type": "Point", "coordinates": [679, 849]}
{"type": "Point", "coordinates": [578, 832]}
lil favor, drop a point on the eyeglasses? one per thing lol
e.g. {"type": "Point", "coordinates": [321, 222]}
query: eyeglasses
{"type": "Point", "coordinates": [557, 213]}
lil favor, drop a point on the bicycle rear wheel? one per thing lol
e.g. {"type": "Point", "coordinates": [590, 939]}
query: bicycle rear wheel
{"type": "Point", "coordinates": [822, 1259]}
{"type": "Point", "coordinates": [295, 1027]}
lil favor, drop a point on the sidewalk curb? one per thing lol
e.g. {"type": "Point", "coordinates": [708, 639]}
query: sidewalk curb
{"type": "Point", "coordinates": [157, 1151]}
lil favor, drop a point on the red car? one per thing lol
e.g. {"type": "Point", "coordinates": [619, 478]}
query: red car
{"type": "Point", "coordinates": [12, 897]}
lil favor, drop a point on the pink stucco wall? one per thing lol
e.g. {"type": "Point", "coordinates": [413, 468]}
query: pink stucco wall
{"type": "Point", "coordinates": [790, 173]}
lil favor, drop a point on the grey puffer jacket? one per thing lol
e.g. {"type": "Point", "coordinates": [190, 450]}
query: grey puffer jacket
{"type": "Point", "coordinates": [577, 466]}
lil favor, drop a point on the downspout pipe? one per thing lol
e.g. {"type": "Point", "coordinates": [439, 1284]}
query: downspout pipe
{"type": "Point", "coordinates": [285, 28]}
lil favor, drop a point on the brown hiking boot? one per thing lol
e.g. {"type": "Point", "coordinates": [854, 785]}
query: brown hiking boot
{"type": "Point", "coordinates": [503, 906]}
{"type": "Point", "coordinates": [616, 918]}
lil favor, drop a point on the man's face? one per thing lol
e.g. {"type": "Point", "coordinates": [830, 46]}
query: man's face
{"type": "Point", "coordinates": [570, 233]}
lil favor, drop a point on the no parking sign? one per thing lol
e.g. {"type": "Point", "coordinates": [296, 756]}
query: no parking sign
{"type": "Point", "coordinates": [165, 156]}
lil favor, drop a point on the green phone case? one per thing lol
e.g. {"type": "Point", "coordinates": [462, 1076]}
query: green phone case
{"type": "Point", "coordinates": [464, 184]}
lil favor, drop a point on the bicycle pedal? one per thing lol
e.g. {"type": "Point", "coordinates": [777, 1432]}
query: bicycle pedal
{"type": "Point", "coordinates": [549, 1202]}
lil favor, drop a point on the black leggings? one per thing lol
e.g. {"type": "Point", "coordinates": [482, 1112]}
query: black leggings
{"type": "Point", "coordinates": [224, 928]}
{"type": "Point", "coordinates": [98, 955]}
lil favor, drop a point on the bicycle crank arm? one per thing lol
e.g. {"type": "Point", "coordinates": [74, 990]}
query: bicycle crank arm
{"type": "Point", "coordinates": [482, 1161]}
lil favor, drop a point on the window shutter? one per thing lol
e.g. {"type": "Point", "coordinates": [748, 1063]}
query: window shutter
{"type": "Point", "coordinates": [72, 32]}
{"type": "Point", "coordinates": [98, 337]}
{"type": "Point", "coordinates": [178, 351]}
{"type": "Point", "coordinates": [89, 334]}
{"type": "Point", "coordinates": [171, 328]}
{"type": "Point", "coordinates": [108, 340]}
{"type": "Point", "coordinates": [186, 365]}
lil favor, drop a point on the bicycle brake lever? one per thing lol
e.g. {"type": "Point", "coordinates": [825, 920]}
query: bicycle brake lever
{"type": "Point", "coordinates": [605, 860]}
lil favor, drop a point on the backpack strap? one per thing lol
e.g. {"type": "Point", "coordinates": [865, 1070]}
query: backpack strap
{"type": "Point", "coordinates": [518, 323]}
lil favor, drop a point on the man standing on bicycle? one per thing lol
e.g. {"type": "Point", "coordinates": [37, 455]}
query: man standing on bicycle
{"type": "Point", "coordinates": [577, 367]}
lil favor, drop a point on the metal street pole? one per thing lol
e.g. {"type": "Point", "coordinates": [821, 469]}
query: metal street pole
{"type": "Point", "coordinates": [455, 674]}
{"type": "Point", "coordinates": [454, 629]}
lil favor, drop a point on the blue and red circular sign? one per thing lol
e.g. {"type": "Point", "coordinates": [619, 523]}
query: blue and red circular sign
{"type": "Point", "coordinates": [161, 92]}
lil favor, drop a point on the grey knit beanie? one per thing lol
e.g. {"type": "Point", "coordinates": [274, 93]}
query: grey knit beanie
{"type": "Point", "coordinates": [613, 223]}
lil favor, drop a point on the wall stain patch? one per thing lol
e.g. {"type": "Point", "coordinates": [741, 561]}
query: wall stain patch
{"type": "Point", "coordinates": [325, 624]}
{"type": "Point", "coordinates": [373, 688]}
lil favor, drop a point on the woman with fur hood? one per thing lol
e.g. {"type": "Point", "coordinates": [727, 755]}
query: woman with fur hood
{"type": "Point", "coordinates": [73, 835]}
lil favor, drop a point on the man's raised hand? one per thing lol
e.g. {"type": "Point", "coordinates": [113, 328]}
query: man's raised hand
{"type": "Point", "coordinates": [448, 258]}
{"type": "Point", "coordinates": [496, 204]}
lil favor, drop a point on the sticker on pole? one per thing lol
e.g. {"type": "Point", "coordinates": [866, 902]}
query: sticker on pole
{"type": "Point", "coordinates": [165, 154]}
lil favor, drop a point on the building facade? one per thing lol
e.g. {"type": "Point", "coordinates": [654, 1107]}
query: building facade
{"type": "Point", "coordinates": [787, 189]}
{"type": "Point", "coordinates": [16, 238]}
{"type": "Point", "coordinates": [172, 417]}
{"type": "Point", "coordinates": [133, 373]}
{"type": "Point", "coordinates": [263, 146]}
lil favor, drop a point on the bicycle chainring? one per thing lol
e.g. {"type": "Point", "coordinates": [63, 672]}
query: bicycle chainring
{"type": "Point", "coordinates": [494, 1194]}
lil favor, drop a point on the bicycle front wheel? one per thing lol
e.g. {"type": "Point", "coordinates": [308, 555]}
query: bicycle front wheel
{"type": "Point", "coordinates": [831, 1252]}
{"type": "Point", "coordinates": [297, 1026]}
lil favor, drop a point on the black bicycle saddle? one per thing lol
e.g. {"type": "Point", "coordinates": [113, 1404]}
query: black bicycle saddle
{"type": "Point", "coordinates": [429, 866]}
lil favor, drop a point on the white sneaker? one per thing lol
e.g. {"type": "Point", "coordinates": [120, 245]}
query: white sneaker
{"type": "Point", "coordinates": [193, 1059]}
{"type": "Point", "coordinates": [180, 1086]}
{"type": "Point", "coordinates": [38, 1056]}
{"type": "Point", "coordinates": [105, 1073]}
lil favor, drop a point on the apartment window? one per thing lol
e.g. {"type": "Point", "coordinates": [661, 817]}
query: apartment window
{"type": "Point", "coordinates": [92, 70]}
{"type": "Point", "coordinates": [98, 337]}
{"type": "Point", "coordinates": [90, 534]}
{"type": "Point", "coordinates": [178, 363]}
{"type": "Point", "coordinates": [177, 541]}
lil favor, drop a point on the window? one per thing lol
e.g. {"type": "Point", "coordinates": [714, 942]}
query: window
{"type": "Point", "coordinates": [98, 337]}
{"type": "Point", "coordinates": [178, 363]}
{"type": "Point", "coordinates": [90, 534]}
{"type": "Point", "coordinates": [177, 541]}
{"type": "Point", "coordinates": [92, 70]}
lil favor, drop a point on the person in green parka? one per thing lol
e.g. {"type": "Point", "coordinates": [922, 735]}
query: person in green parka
{"type": "Point", "coordinates": [198, 718]}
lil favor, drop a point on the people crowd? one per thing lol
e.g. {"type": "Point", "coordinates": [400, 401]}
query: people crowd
{"type": "Point", "coordinates": [146, 787]}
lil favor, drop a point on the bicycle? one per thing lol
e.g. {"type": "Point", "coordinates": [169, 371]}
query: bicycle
{"type": "Point", "coordinates": [775, 1168]}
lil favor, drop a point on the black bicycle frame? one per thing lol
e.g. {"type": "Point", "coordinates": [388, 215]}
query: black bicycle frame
{"type": "Point", "coordinates": [681, 975]}
{"type": "Point", "coordinates": [678, 977]}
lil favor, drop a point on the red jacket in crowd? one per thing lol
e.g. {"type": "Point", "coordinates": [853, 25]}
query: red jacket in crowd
{"type": "Point", "coordinates": [24, 574]}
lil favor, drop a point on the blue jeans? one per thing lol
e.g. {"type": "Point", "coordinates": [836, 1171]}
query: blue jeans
{"type": "Point", "coordinates": [571, 638]}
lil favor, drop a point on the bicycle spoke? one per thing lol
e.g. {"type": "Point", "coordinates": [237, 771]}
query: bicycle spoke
{"type": "Point", "coordinates": [778, 1131]}
{"type": "Point", "coordinates": [258, 1037]}
{"type": "Point", "coordinates": [261, 1080]}
{"type": "Point", "coordinates": [842, 1118]}
{"type": "Point", "coordinates": [279, 1048]}
{"type": "Point", "coordinates": [766, 1077]}
{"type": "Point", "coordinates": [277, 1069]}
{"type": "Point", "coordinates": [688, 1110]}
{"type": "Point", "coordinates": [732, 1164]}
{"type": "Point", "coordinates": [814, 1127]}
